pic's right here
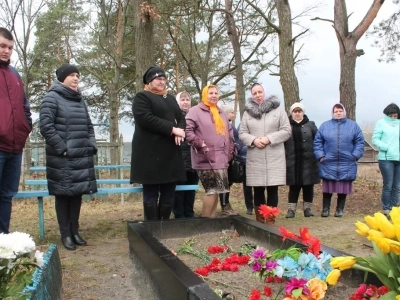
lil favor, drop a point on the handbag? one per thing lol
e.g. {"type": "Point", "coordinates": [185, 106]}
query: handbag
{"type": "Point", "coordinates": [236, 171]}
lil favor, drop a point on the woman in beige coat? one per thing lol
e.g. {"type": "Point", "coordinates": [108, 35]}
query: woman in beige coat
{"type": "Point", "coordinates": [264, 129]}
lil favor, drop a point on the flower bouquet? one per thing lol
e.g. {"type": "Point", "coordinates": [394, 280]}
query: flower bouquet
{"type": "Point", "coordinates": [303, 273]}
{"type": "Point", "coordinates": [17, 263]}
{"type": "Point", "coordinates": [268, 213]}
{"type": "Point", "coordinates": [385, 238]}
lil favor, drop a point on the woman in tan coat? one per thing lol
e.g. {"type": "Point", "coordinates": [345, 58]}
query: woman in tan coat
{"type": "Point", "coordinates": [264, 129]}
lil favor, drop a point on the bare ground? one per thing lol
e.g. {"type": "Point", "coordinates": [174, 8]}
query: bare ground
{"type": "Point", "coordinates": [103, 270]}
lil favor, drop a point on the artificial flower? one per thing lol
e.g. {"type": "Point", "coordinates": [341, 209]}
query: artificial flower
{"type": "Point", "coordinates": [374, 234]}
{"type": "Point", "coordinates": [385, 226]}
{"type": "Point", "coordinates": [395, 215]}
{"type": "Point", "coordinates": [268, 212]}
{"type": "Point", "coordinates": [371, 222]}
{"type": "Point", "coordinates": [255, 295]}
{"type": "Point", "coordinates": [342, 262]}
{"type": "Point", "coordinates": [382, 243]}
{"type": "Point", "coordinates": [259, 253]}
{"type": "Point", "coordinates": [362, 229]}
{"type": "Point", "coordinates": [267, 291]}
{"type": "Point", "coordinates": [294, 284]}
{"type": "Point", "coordinates": [333, 277]}
{"type": "Point", "coordinates": [317, 288]}
{"type": "Point", "coordinates": [286, 233]}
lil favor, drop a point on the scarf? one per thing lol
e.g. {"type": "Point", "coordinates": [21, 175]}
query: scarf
{"type": "Point", "coordinates": [157, 92]}
{"type": "Point", "coordinates": [219, 124]}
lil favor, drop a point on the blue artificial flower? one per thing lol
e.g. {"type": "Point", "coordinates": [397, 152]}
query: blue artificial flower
{"type": "Point", "coordinates": [287, 267]}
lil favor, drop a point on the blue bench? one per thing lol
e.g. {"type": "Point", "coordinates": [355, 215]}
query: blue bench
{"type": "Point", "coordinates": [99, 181]}
{"type": "Point", "coordinates": [101, 191]}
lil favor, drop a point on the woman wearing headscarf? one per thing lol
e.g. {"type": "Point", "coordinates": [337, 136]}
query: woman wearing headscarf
{"type": "Point", "coordinates": [184, 200]}
{"type": "Point", "coordinates": [338, 145]}
{"type": "Point", "coordinates": [156, 153]}
{"type": "Point", "coordinates": [210, 135]}
{"type": "Point", "coordinates": [386, 137]}
{"type": "Point", "coordinates": [264, 129]}
{"type": "Point", "coordinates": [301, 164]}
{"type": "Point", "coordinates": [70, 145]}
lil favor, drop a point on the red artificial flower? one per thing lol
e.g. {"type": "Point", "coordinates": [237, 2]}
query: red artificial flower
{"type": "Point", "coordinates": [268, 212]}
{"type": "Point", "coordinates": [286, 233]}
{"type": "Point", "coordinates": [217, 249]}
{"type": "Point", "coordinates": [255, 295]}
{"type": "Point", "coordinates": [267, 291]}
{"type": "Point", "coordinates": [314, 246]}
{"type": "Point", "coordinates": [383, 290]}
{"type": "Point", "coordinates": [202, 271]}
{"type": "Point", "coordinates": [270, 279]}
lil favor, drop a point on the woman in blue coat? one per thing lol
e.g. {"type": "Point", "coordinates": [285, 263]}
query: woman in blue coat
{"type": "Point", "coordinates": [386, 138]}
{"type": "Point", "coordinates": [338, 145]}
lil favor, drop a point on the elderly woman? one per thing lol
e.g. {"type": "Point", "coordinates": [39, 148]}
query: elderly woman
{"type": "Point", "coordinates": [338, 145]}
{"type": "Point", "coordinates": [156, 153]}
{"type": "Point", "coordinates": [184, 200]}
{"type": "Point", "coordinates": [70, 145]}
{"type": "Point", "coordinates": [264, 128]}
{"type": "Point", "coordinates": [210, 134]}
{"type": "Point", "coordinates": [301, 164]}
{"type": "Point", "coordinates": [386, 137]}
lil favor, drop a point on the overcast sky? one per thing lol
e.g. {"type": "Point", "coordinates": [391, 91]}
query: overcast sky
{"type": "Point", "coordinates": [376, 83]}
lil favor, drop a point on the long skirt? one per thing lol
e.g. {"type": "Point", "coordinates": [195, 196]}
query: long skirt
{"type": "Point", "coordinates": [340, 187]}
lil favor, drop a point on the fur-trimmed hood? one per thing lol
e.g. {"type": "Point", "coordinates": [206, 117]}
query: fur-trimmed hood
{"type": "Point", "coordinates": [257, 110]}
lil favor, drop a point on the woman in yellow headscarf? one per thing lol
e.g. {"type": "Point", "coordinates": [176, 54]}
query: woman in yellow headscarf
{"type": "Point", "coordinates": [210, 135]}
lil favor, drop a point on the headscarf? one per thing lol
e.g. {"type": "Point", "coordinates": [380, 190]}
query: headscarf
{"type": "Point", "coordinates": [219, 123]}
{"type": "Point", "coordinates": [339, 105]}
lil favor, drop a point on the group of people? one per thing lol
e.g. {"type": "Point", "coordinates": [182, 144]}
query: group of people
{"type": "Point", "coordinates": [174, 143]}
{"type": "Point", "coordinates": [187, 144]}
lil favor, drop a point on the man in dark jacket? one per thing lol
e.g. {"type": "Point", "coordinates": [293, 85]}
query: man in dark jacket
{"type": "Point", "coordinates": [15, 126]}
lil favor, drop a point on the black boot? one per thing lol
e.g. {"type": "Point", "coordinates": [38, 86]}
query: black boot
{"type": "Point", "coordinates": [326, 205]}
{"type": "Point", "coordinates": [68, 243]}
{"type": "Point", "coordinates": [165, 210]}
{"type": "Point", "coordinates": [340, 205]}
{"type": "Point", "coordinates": [78, 240]}
{"type": "Point", "coordinates": [151, 210]}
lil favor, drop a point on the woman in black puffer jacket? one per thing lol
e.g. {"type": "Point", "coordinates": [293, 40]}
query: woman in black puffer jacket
{"type": "Point", "coordinates": [301, 164]}
{"type": "Point", "coordinates": [70, 145]}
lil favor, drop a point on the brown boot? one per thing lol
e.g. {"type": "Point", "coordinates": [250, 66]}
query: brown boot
{"type": "Point", "coordinates": [259, 216]}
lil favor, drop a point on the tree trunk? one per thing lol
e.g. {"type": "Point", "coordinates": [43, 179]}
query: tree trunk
{"type": "Point", "coordinates": [234, 37]}
{"type": "Point", "coordinates": [144, 42]}
{"type": "Point", "coordinates": [347, 85]}
{"type": "Point", "coordinates": [288, 79]}
{"type": "Point", "coordinates": [349, 52]}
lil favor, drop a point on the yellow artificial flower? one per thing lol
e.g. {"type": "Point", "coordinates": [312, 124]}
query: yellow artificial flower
{"type": "Point", "coordinates": [395, 247]}
{"type": "Point", "coordinates": [375, 234]}
{"type": "Point", "coordinates": [333, 277]}
{"type": "Point", "coordinates": [372, 223]}
{"type": "Point", "coordinates": [362, 229]}
{"type": "Point", "coordinates": [398, 297]}
{"type": "Point", "coordinates": [383, 244]}
{"type": "Point", "coordinates": [342, 262]}
{"type": "Point", "coordinates": [397, 231]}
{"type": "Point", "coordinates": [385, 226]}
{"type": "Point", "coordinates": [317, 288]}
{"type": "Point", "coordinates": [395, 215]}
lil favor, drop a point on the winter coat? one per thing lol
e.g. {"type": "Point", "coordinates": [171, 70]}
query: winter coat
{"type": "Point", "coordinates": [185, 147]}
{"type": "Point", "coordinates": [15, 116]}
{"type": "Point", "coordinates": [66, 126]}
{"type": "Point", "coordinates": [340, 142]}
{"type": "Point", "coordinates": [200, 128]}
{"type": "Point", "coordinates": [386, 138]}
{"type": "Point", "coordinates": [301, 165]}
{"type": "Point", "coordinates": [156, 159]}
{"type": "Point", "coordinates": [267, 166]}
{"type": "Point", "coordinates": [241, 149]}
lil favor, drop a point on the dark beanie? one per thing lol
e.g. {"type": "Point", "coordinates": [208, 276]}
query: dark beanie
{"type": "Point", "coordinates": [152, 73]}
{"type": "Point", "coordinates": [65, 70]}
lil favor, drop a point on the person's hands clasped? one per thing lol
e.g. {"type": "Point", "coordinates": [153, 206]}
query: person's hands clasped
{"type": "Point", "coordinates": [261, 142]}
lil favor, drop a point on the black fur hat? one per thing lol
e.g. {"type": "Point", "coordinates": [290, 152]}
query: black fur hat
{"type": "Point", "coordinates": [152, 73]}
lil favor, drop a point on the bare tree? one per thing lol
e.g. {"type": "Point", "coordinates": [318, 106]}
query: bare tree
{"type": "Point", "coordinates": [348, 49]}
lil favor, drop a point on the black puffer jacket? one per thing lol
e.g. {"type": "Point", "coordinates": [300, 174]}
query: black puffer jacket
{"type": "Point", "coordinates": [301, 164]}
{"type": "Point", "coordinates": [66, 126]}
